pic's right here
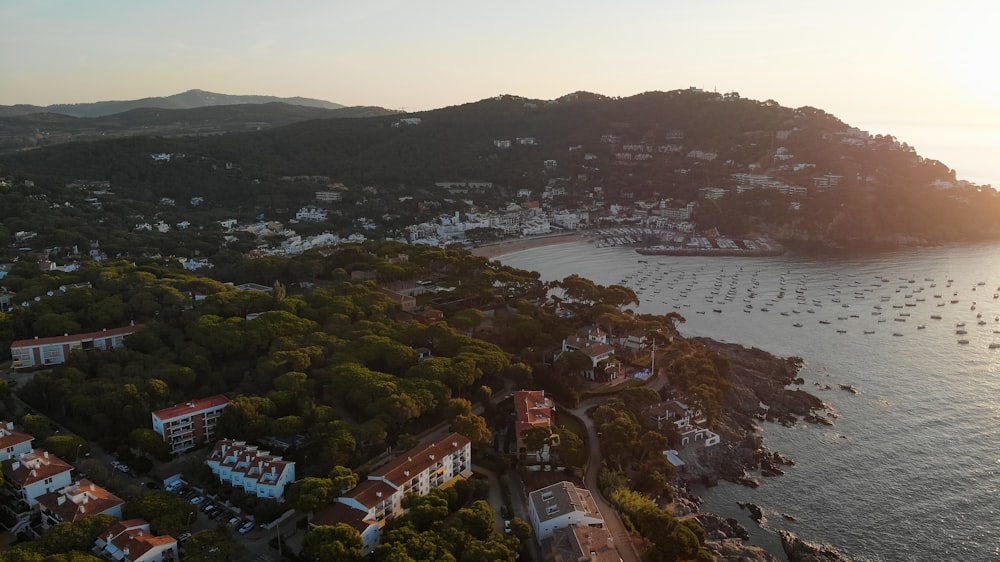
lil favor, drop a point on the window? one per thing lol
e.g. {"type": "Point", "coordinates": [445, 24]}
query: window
{"type": "Point", "coordinates": [546, 496]}
{"type": "Point", "coordinates": [552, 509]}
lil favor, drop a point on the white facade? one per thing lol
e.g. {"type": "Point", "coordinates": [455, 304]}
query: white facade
{"type": "Point", "coordinates": [37, 472]}
{"type": "Point", "coordinates": [311, 214]}
{"type": "Point", "coordinates": [245, 466]}
{"type": "Point", "coordinates": [418, 471]}
{"type": "Point", "coordinates": [560, 505]}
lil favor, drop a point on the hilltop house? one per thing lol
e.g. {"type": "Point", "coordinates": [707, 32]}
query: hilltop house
{"type": "Point", "coordinates": [371, 503]}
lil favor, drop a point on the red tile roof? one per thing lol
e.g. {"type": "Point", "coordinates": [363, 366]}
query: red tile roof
{"type": "Point", "coordinates": [532, 410]}
{"type": "Point", "coordinates": [11, 438]}
{"type": "Point", "coordinates": [371, 493]}
{"type": "Point", "coordinates": [417, 460]}
{"type": "Point", "coordinates": [133, 536]}
{"type": "Point", "coordinates": [80, 500]}
{"type": "Point", "coordinates": [34, 467]}
{"type": "Point", "coordinates": [124, 331]}
{"type": "Point", "coordinates": [342, 513]}
{"type": "Point", "coordinates": [189, 408]}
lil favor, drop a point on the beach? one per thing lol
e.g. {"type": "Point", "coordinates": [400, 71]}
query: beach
{"type": "Point", "coordinates": [505, 247]}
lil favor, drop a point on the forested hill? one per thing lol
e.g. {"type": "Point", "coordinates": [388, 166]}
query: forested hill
{"type": "Point", "coordinates": [806, 174]}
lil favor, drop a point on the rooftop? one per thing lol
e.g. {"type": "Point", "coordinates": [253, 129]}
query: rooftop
{"type": "Point", "coordinates": [34, 466]}
{"type": "Point", "coordinates": [561, 498]}
{"type": "Point", "coordinates": [124, 331]}
{"type": "Point", "coordinates": [193, 407]}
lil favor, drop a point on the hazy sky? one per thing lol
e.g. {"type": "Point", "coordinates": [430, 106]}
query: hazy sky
{"type": "Point", "coordinates": [882, 60]}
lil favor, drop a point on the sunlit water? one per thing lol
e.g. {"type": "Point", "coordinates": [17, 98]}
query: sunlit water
{"type": "Point", "coordinates": [910, 469]}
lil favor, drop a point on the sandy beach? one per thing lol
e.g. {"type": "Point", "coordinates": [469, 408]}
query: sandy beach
{"type": "Point", "coordinates": [510, 246]}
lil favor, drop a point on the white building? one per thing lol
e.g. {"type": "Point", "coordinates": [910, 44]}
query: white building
{"type": "Point", "coordinates": [418, 471]}
{"type": "Point", "coordinates": [258, 472]}
{"type": "Point", "coordinates": [31, 474]}
{"type": "Point", "coordinates": [76, 501]}
{"type": "Point", "coordinates": [185, 425]}
{"type": "Point", "coordinates": [311, 214]}
{"type": "Point", "coordinates": [13, 443]}
{"type": "Point", "coordinates": [560, 505]}
{"type": "Point", "coordinates": [131, 541]}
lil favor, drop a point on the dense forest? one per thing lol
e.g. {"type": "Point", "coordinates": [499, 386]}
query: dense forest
{"type": "Point", "coordinates": [337, 364]}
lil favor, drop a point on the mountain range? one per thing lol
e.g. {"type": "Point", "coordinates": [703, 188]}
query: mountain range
{"type": "Point", "coordinates": [195, 112]}
{"type": "Point", "coordinates": [185, 100]}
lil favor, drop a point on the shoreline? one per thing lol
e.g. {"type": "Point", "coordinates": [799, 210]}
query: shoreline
{"type": "Point", "coordinates": [497, 249]}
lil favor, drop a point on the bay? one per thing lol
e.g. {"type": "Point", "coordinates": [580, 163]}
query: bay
{"type": "Point", "coordinates": [909, 471]}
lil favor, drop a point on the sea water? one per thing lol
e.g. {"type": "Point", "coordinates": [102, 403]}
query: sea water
{"type": "Point", "coordinates": [910, 470]}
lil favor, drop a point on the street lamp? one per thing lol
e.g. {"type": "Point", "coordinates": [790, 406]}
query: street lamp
{"type": "Point", "coordinates": [188, 524]}
{"type": "Point", "coordinates": [77, 458]}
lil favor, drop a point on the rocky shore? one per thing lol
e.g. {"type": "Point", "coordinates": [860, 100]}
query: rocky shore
{"type": "Point", "coordinates": [763, 388]}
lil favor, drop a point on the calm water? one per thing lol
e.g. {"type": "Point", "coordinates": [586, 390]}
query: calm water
{"type": "Point", "coordinates": [911, 469]}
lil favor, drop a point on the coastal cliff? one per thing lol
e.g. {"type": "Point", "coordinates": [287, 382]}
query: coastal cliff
{"type": "Point", "coordinates": [762, 389]}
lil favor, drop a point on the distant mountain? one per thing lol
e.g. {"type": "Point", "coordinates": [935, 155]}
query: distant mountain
{"type": "Point", "coordinates": [185, 100]}
{"type": "Point", "coordinates": [34, 130]}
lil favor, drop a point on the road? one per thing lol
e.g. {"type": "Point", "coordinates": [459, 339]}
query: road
{"type": "Point", "coordinates": [612, 521]}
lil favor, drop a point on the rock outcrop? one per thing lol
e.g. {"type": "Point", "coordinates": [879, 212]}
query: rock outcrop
{"type": "Point", "coordinates": [799, 550]}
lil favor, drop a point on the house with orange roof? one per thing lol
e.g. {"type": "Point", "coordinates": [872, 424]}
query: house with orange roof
{"type": "Point", "coordinates": [258, 472]}
{"type": "Point", "coordinates": [532, 409]}
{"type": "Point", "coordinates": [12, 442]}
{"type": "Point", "coordinates": [40, 352]}
{"type": "Point", "coordinates": [185, 425]}
{"type": "Point", "coordinates": [131, 541]}
{"type": "Point", "coordinates": [37, 472]}
{"type": "Point", "coordinates": [76, 501]}
{"type": "Point", "coordinates": [367, 506]}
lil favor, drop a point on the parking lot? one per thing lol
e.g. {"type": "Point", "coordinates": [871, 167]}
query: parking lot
{"type": "Point", "coordinates": [211, 508]}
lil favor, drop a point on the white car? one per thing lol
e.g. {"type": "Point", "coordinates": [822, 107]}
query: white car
{"type": "Point", "coordinates": [246, 527]}
{"type": "Point", "coordinates": [197, 500]}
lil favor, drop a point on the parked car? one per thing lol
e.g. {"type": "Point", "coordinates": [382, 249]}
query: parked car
{"type": "Point", "coordinates": [506, 526]}
{"type": "Point", "coordinates": [215, 514]}
{"type": "Point", "coordinates": [504, 512]}
{"type": "Point", "coordinates": [208, 507]}
{"type": "Point", "coordinates": [197, 500]}
{"type": "Point", "coordinates": [183, 537]}
{"type": "Point", "coordinates": [246, 527]}
{"type": "Point", "coordinates": [235, 521]}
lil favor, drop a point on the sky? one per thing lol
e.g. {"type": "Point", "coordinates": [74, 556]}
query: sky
{"type": "Point", "coordinates": [872, 63]}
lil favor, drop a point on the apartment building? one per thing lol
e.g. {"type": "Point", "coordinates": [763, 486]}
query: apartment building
{"type": "Point", "coordinates": [371, 503]}
{"type": "Point", "coordinates": [39, 352]}
{"type": "Point", "coordinates": [185, 425]}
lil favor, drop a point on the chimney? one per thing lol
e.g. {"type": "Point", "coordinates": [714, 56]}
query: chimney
{"type": "Point", "coordinates": [46, 453]}
{"type": "Point", "coordinates": [378, 494]}
{"type": "Point", "coordinates": [60, 500]}
{"type": "Point", "coordinates": [93, 488]}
